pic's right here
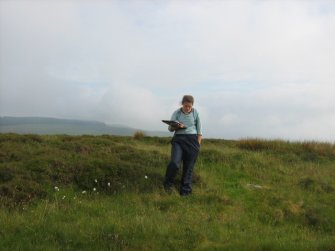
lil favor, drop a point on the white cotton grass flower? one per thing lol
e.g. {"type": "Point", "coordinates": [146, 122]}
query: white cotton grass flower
{"type": "Point", "coordinates": [109, 184]}
{"type": "Point", "coordinates": [83, 192]}
{"type": "Point", "coordinates": [57, 189]}
{"type": "Point", "coordinates": [96, 181]}
{"type": "Point", "coordinates": [64, 197]}
{"type": "Point", "coordinates": [94, 189]}
{"type": "Point", "coordinates": [146, 177]}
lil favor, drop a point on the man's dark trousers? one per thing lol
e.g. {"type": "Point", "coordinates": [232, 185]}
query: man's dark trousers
{"type": "Point", "coordinates": [185, 148]}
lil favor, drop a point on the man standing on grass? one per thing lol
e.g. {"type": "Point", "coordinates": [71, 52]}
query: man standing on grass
{"type": "Point", "coordinates": [185, 145]}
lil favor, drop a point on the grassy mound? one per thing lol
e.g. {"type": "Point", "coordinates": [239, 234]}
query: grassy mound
{"type": "Point", "coordinates": [32, 166]}
{"type": "Point", "coordinates": [104, 193]}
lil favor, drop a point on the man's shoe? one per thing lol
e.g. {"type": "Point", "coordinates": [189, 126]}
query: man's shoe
{"type": "Point", "coordinates": [168, 190]}
{"type": "Point", "coordinates": [185, 194]}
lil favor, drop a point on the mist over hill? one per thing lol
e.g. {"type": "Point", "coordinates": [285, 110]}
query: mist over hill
{"type": "Point", "coordinates": [45, 125]}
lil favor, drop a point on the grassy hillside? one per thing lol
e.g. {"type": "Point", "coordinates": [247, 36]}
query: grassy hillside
{"type": "Point", "coordinates": [104, 193]}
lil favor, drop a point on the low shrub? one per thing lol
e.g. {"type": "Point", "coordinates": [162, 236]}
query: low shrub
{"type": "Point", "coordinates": [139, 135]}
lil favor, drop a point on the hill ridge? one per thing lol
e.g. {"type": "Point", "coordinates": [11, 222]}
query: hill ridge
{"type": "Point", "coordinates": [51, 125]}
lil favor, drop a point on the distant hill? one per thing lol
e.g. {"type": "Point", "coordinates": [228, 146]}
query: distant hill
{"type": "Point", "coordinates": [43, 125]}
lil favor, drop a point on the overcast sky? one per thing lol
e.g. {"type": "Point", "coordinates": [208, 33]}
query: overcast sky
{"type": "Point", "coordinates": [256, 68]}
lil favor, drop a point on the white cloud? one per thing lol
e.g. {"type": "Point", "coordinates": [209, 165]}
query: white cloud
{"type": "Point", "coordinates": [256, 68]}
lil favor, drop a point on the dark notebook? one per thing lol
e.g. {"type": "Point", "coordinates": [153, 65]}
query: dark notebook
{"type": "Point", "coordinates": [173, 123]}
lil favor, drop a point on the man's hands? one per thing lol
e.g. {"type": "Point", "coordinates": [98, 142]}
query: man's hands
{"type": "Point", "coordinates": [181, 125]}
{"type": "Point", "coordinates": [174, 128]}
{"type": "Point", "coordinates": [199, 138]}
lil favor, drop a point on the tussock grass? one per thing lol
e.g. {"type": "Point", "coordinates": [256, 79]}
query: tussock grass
{"type": "Point", "coordinates": [139, 135]}
{"type": "Point", "coordinates": [104, 193]}
{"type": "Point", "coordinates": [28, 166]}
{"type": "Point", "coordinates": [318, 148]}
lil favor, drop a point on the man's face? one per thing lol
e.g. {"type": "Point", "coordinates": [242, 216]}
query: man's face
{"type": "Point", "coordinates": [187, 107]}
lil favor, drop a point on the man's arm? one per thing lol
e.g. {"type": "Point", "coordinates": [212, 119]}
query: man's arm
{"type": "Point", "coordinates": [173, 117]}
{"type": "Point", "coordinates": [172, 128]}
{"type": "Point", "coordinates": [199, 128]}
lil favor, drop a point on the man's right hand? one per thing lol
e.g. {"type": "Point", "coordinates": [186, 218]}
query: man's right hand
{"type": "Point", "coordinates": [181, 125]}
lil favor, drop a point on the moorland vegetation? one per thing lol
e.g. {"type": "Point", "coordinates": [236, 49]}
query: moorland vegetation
{"type": "Point", "coordinates": [105, 192]}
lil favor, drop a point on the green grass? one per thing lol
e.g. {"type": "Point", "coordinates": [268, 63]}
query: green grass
{"type": "Point", "coordinates": [249, 194]}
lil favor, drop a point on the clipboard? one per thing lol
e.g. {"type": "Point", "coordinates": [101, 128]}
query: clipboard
{"type": "Point", "coordinates": [173, 123]}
